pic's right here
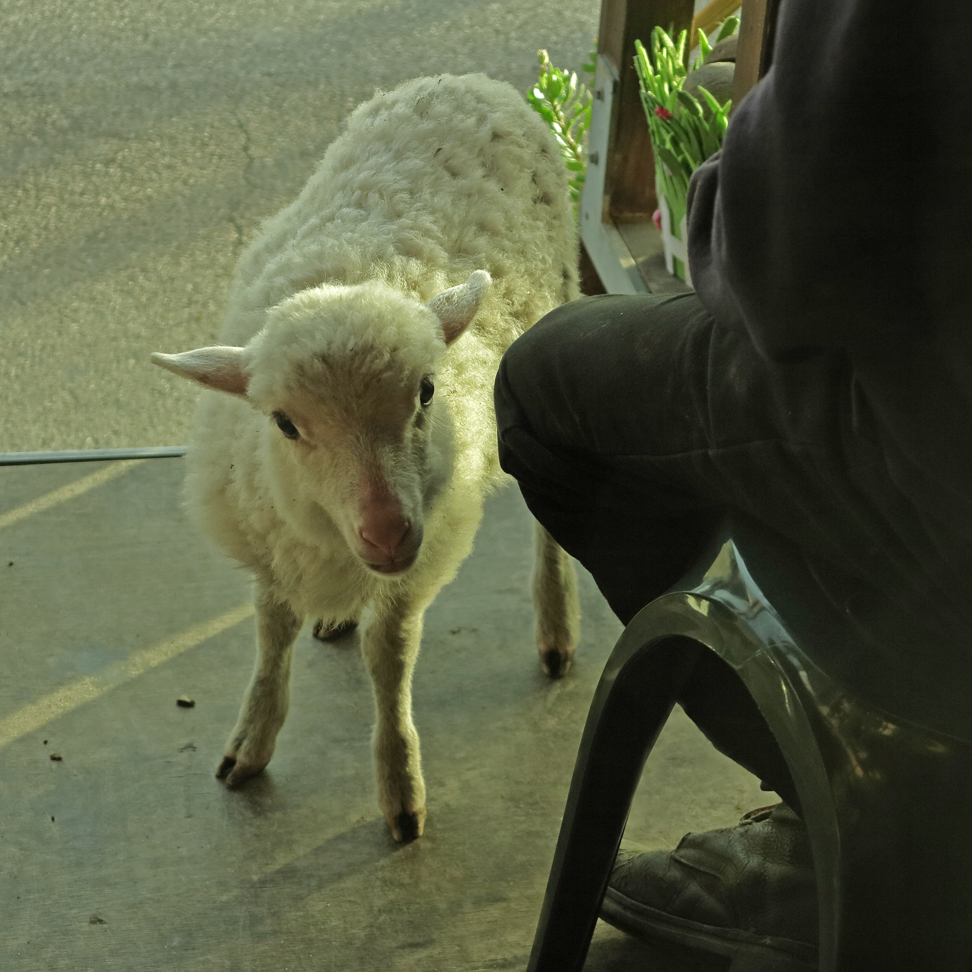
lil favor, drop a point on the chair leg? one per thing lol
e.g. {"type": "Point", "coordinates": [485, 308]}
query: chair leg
{"type": "Point", "coordinates": [631, 705]}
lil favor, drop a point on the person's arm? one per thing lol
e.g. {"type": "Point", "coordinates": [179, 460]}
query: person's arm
{"type": "Point", "coordinates": [839, 213]}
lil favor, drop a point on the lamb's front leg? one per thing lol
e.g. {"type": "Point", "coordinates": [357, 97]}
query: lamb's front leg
{"type": "Point", "coordinates": [252, 741]}
{"type": "Point", "coordinates": [555, 602]}
{"type": "Point", "coordinates": [390, 646]}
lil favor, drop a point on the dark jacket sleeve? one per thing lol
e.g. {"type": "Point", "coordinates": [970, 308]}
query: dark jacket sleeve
{"type": "Point", "coordinates": [839, 212]}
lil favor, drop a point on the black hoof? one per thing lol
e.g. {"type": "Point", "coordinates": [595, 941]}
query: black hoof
{"type": "Point", "coordinates": [225, 767]}
{"type": "Point", "coordinates": [327, 633]}
{"type": "Point", "coordinates": [408, 826]}
{"type": "Point", "coordinates": [554, 663]}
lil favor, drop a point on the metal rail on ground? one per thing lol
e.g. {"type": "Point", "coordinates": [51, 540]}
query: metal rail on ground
{"type": "Point", "coordinates": [89, 455]}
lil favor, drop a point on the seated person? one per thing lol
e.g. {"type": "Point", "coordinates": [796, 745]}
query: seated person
{"type": "Point", "coordinates": [819, 382]}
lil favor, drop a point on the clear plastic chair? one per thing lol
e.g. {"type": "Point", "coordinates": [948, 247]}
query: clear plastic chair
{"type": "Point", "coordinates": [883, 770]}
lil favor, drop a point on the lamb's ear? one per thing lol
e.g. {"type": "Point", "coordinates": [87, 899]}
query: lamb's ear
{"type": "Point", "coordinates": [221, 368]}
{"type": "Point", "coordinates": [457, 306]}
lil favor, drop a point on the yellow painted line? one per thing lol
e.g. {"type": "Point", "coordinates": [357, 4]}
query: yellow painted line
{"type": "Point", "coordinates": [71, 696]}
{"type": "Point", "coordinates": [65, 493]}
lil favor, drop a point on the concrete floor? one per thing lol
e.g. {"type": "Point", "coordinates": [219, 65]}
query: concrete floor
{"type": "Point", "coordinates": [141, 145]}
{"type": "Point", "coordinates": [126, 854]}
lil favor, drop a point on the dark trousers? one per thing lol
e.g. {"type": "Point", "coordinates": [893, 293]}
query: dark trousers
{"type": "Point", "coordinates": [632, 424]}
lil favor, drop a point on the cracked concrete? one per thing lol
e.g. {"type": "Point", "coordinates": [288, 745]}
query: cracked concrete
{"type": "Point", "coordinates": [141, 147]}
{"type": "Point", "coordinates": [246, 176]}
{"type": "Point", "coordinates": [247, 149]}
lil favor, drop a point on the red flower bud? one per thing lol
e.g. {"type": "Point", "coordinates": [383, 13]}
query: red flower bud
{"type": "Point", "coordinates": [663, 113]}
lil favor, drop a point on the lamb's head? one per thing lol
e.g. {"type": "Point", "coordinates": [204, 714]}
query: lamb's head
{"type": "Point", "coordinates": [345, 379]}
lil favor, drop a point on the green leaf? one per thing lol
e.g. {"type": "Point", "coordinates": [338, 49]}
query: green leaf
{"type": "Point", "coordinates": [715, 105]}
{"type": "Point", "coordinates": [579, 125]}
{"type": "Point", "coordinates": [689, 103]}
{"type": "Point", "coordinates": [680, 48]}
{"type": "Point", "coordinates": [590, 65]}
{"type": "Point", "coordinates": [546, 113]}
{"type": "Point", "coordinates": [675, 164]}
{"type": "Point", "coordinates": [729, 26]}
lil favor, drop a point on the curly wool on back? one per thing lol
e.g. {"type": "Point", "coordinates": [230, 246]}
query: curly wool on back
{"type": "Point", "coordinates": [429, 182]}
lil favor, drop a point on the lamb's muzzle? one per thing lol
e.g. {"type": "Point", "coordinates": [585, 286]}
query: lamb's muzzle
{"type": "Point", "coordinates": [389, 543]}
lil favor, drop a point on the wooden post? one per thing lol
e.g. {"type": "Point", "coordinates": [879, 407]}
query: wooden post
{"type": "Point", "coordinates": [756, 31]}
{"type": "Point", "coordinates": [630, 166]}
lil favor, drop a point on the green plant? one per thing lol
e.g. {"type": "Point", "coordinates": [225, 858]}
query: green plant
{"type": "Point", "coordinates": [564, 103]}
{"type": "Point", "coordinates": [683, 133]}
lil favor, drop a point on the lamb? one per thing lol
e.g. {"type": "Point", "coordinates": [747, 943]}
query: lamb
{"type": "Point", "coordinates": [346, 439]}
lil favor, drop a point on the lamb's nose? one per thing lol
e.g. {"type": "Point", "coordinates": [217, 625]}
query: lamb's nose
{"type": "Point", "coordinates": [386, 534]}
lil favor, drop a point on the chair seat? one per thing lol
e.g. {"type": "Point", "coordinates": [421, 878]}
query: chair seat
{"type": "Point", "coordinates": [884, 774]}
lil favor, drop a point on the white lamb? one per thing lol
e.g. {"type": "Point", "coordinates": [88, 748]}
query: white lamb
{"type": "Point", "coordinates": [346, 450]}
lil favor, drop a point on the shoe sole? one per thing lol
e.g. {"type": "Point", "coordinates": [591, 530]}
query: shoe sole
{"type": "Point", "coordinates": [749, 953]}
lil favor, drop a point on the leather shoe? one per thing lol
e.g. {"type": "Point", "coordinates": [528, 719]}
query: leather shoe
{"type": "Point", "coordinates": [747, 892]}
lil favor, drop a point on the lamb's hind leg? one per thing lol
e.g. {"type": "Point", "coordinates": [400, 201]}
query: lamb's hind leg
{"type": "Point", "coordinates": [252, 741]}
{"type": "Point", "coordinates": [390, 646]}
{"type": "Point", "coordinates": [555, 602]}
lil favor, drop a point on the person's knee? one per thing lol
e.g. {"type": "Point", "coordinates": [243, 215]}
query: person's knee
{"type": "Point", "coordinates": [536, 367]}
{"type": "Point", "coordinates": [508, 399]}
{"type": "Point", "coordinates": [528, 391]}
{"type": "Point", "coordinates": [520, 374]}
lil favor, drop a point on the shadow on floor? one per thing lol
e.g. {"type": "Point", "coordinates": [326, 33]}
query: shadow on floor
{"type": "Point", "coordinates": [613, 951]}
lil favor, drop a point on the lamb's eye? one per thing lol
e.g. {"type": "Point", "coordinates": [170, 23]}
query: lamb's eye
{"type": "Point", "coordinates": [285, 425]}
{"type": "Point", "coordinates": [426, 391]}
